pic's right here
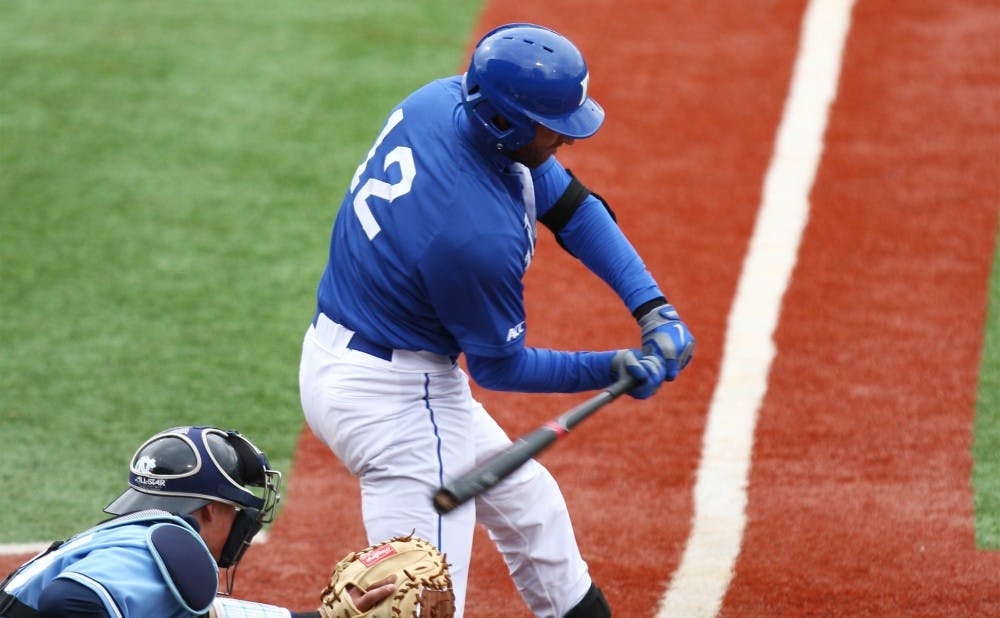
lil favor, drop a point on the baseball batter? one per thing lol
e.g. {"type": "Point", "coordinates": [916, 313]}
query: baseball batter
{"type": "Point", "coordinates": [427, 257]}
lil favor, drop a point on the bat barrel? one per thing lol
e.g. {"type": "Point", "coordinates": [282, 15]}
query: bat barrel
{"type": "Point", "coordinates": [495, 469]}
{"type": "Point", "coordinates": [445, 501]}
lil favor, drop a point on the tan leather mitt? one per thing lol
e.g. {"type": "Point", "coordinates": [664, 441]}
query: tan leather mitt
{"type": "Point", "coordinates": [423, 582]}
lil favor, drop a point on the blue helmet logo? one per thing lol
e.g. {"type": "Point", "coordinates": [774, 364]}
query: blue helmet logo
{"type": "Point", "coordinates": [521, 75]}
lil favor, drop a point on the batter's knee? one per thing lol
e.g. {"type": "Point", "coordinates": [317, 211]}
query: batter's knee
{"type": "Point", "coordinates": [593, 605]}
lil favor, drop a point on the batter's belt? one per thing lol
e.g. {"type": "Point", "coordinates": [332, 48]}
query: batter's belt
{"type": "Point", "coordinates": [338, 339]}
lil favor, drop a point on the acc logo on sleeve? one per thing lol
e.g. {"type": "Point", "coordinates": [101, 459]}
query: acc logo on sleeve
{"type": "Point", "coordinates": [515, 331]}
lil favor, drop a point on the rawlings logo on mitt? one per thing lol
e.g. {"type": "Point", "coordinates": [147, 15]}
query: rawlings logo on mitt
{"type": "Point", "coordinates": [423, 583]}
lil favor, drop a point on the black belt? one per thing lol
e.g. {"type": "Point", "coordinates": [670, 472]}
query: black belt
{"type": "Point", "coordinates": [10, 607]}
{"type": "Point", "coordinates": [361, 343]}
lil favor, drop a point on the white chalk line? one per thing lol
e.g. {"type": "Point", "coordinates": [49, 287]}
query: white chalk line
{"type": "Point", "coordinates": [700, 582]}
{"type": "Point", "coordinates": [17, 549]}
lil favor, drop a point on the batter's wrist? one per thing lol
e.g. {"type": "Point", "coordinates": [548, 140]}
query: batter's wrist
{"type": "Point", "coordinates": [648, 306]}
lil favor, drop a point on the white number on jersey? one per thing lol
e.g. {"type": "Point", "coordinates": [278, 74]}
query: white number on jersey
{"type": "Point", "coordinates": [373, 187]}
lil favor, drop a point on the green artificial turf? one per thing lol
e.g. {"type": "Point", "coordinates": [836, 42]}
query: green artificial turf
{"type": "Point", "coordinates": [986, 437]}
{"type": "Point", "coordinates": [168, 175]}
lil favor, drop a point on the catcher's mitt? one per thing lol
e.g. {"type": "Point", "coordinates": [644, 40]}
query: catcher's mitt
{"type": "Point", "coordinates": [423, 583]}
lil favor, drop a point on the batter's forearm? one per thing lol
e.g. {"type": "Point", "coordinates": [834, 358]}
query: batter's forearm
{"type": "Point", "coordinates": [597, 241]}
{"type": "Point", "coordinates": [540, 370]}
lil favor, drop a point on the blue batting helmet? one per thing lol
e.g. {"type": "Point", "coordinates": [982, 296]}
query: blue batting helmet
{"type": "Point", "coordinates": [529, 75]}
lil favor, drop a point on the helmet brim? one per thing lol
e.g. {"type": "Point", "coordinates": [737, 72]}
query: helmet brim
{"type": "Point", "coordinates": [132, 501]}
{"type": "Point", "coordinates": [581, 123]}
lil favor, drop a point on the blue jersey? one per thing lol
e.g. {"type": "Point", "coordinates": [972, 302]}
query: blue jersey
{"type": "Point", "coordinates": [435, 233]}
{"type": "Point", "coordinates": [432, 239]}
{"type": "Point", "coordinates": [116, 561]}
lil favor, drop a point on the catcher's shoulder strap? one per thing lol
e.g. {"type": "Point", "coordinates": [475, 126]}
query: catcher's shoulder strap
{"type": "Point", "coordinates": [10, 606]}
{"type": "Point", "coordinates": [52, 547]}
{"type": "Point", "coordinates": [151, 515]}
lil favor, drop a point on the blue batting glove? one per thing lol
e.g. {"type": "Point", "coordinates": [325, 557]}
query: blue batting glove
{"type": "Point", "coordinates": [664, 334]}
{"type": "Point", "coordinates": [649, 371]}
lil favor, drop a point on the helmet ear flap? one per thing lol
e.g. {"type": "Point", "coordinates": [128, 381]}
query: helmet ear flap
{"type": "Point", "coordinates": [529, 75]}
{"type": "Point", "coordinates": [508, 131]}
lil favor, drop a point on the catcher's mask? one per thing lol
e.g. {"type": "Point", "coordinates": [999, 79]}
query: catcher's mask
{"type": "Point", "coordinates": [182, 469]}
{"type": "Point", "coordinates": [529, 75]}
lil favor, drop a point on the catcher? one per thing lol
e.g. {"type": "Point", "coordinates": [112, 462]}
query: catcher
{"type": "Point", "coordinates": [189, 511]}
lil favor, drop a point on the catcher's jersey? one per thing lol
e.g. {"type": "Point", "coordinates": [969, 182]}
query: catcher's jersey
{"type": "Point", "coordinates": [115, 561]}
{"type": "Point", "coordinates": [434, 235]}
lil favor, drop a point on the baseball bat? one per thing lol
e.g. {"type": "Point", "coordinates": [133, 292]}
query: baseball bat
{"type": "Point", "coordinates": [498, 467]}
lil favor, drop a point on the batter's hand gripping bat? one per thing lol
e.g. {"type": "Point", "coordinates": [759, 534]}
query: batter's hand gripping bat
{"type": "Point", "coordinates": [496, 468]}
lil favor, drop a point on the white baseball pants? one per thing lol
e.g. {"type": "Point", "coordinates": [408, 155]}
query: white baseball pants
{"type": "Point", "coordinates": [406, 426]}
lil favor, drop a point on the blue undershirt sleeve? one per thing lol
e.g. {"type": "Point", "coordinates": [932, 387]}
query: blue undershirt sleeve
{"type": "Point", "coordinates": [541, 370]}
{"type": "Point", "coordinates": [595, 239]}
